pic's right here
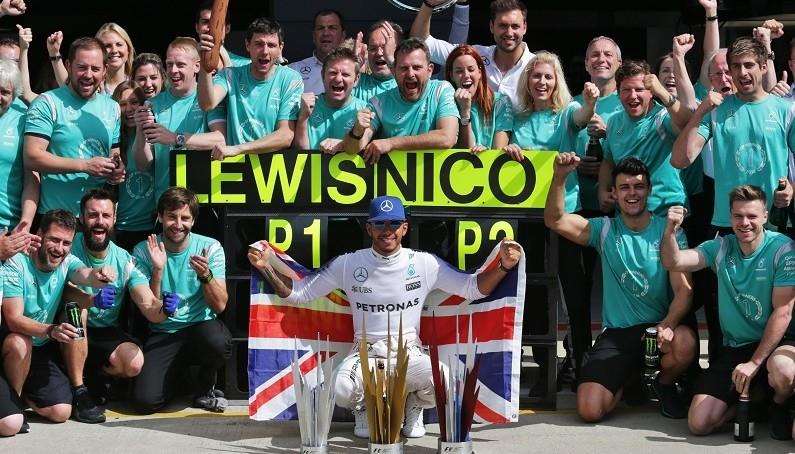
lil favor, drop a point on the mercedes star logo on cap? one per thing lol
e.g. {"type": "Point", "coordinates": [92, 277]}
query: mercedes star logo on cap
{"type": "Point", "coordinates": [386, 205]}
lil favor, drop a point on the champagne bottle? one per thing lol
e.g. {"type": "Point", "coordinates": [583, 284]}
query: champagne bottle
{"type": "Point", "coordinates": [779, 215]}
{"type": "Point", "coordinates": [743, 426]}
{"type": "Point", "coordinates": [594, 150]}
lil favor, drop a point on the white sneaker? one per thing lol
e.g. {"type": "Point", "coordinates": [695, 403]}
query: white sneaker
{"type": "Point", "coordinates": [413, 427]}
{"type": "Point", "coordinates": [360, 427]}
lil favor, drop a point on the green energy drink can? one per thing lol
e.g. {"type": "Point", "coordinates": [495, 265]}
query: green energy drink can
{"type": "Point", "coordinates": [651, 361]}
{"type": "Point", "coordinates": [73, 316]}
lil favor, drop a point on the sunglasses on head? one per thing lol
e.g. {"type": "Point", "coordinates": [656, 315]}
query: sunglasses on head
{"type": "Point", "coordinates": [380, 225]}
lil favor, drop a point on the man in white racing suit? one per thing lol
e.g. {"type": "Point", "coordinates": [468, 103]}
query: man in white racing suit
{"type": "Point", "coordinates": [387, 279]}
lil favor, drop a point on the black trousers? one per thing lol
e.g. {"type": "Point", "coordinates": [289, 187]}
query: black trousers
{"type": "Point", "coordinates": [208, 344]}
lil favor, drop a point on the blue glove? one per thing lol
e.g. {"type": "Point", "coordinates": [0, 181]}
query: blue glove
{"type": "Point", "coordinates": [171, 302]}
{"type": "Point", "coordinates": [105, 298]}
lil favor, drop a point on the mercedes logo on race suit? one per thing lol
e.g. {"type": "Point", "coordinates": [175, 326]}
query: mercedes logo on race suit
{"type": "Point", "coordinates": [360, 274]}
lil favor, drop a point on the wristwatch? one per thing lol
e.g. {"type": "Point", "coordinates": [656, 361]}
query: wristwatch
{"type": "Point", "coordinates": [771, 55]}
{"type": "Point", "coordinates": [671, 100]}
{"type": "Point", "coordinates": [463, 121]}
{"type": "Point", "coordinates": [354, 136]}
{"type": "Point", "coordinates": [179, 142]}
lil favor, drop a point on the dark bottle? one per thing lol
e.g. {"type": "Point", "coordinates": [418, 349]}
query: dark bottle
{"type": "Point", "coordinates": [651, 362]}
{"type": "Point", "coordinates": [779, 216]}
{"type": "Point", "coordinates": [594, 149]}
{"type": "Point", "coordinates": [743, 426]}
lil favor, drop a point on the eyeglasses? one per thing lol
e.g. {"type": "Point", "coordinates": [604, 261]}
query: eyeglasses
{"type": "Point", "coordinates": [391, 225]}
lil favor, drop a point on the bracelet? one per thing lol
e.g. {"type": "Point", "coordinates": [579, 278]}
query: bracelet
{"type": "Point", "coordinates": [671, 101]}
{"type": "Point", "coordinates": [50, 329]}
{"type": "Point", "coordinates": [55, 57]}
{"type": "Point", "coordinates": [353, 136]}
{"type": "Point", "coordinates": [502, 267]}
{"type": "Point", "coordinates": [206, 279]}
{"type": "Point", "coordinates": [712, 18]}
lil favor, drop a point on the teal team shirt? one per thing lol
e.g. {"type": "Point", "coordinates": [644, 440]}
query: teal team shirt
{"type": "Point", "coordinates": [370, 86]}
{"type": "Point", "coordinates": [179, 115]}
{"type": "Point", "coordinates": [127, 277]}
{"type": "Point", "coordinates": [12, 127]}
{"type": "Point", "coordinates": [180, 278]}
{"type": "Point", "coordinates": [40, 291]}
{"type": "Point", "coordinates": [256, 106]}
{"type": "Point", "coordinates": [396, 117]}
{"type": "Point", "coordinates": [636, 287]}
{"type": "Point", "coordinates": [650, 139]}
{"type": "Point", "coordinates": [752, 143]}
{"type": "Point", "coordinates": [745, 284]}
{"type": "Point", "coordinates": [606, 106]}
{"type": "Point", "coordinates": [331, 123]}
{"type": "Point", "coordinates": [238, 60]}
{"type": "Point", "coordinates": [501, 120]}
{"type": "Point", "coordinates": [550, 130]}
{"type": "Point", "coordinates": [77, 128]}
{"type": "Point", "coordinates": [136, 208]}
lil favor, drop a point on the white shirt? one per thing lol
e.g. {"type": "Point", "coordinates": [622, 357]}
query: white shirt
{"type": "Point", "coordinates": [503, 83]}
{"type": "Point", "coordinates": [378, 285]}
{"type": "Point", "coordinates": [311, 70]}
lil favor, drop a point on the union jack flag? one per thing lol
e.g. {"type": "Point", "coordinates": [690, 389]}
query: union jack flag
{"type": "Point", "coordinates": [277, 328]}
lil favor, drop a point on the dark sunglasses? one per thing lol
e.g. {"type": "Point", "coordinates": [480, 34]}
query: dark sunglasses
{"type": "Point", "coordinates": [380, 225]}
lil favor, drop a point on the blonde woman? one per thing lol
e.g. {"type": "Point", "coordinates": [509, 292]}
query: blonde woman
{"type": "Point", "coordinates": [119, 55]}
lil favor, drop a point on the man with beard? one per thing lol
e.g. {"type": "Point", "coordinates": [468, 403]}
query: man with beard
{"type": "Point", "coordinates": [328, 33]}
{"type": "Point", "coordinates": [388, 284]}
{"type": "Point", "coordinates": [382, 40]}
{"type": "Point", "coordinates": [646, 130]}
{"type": "Point", "coordinates": [751, 133]}
{"type": "Point", "coordinates": [756, 291]}
{"type": "Point", "coordinates": [202, 27]}
{"type": "Point", "coordinates": [418, 114]}
{"type": "Point", "coordinates": [188, 270]}
{"type": "Point", "coordinates": [35, 367]}
{"type": "Point", "coordinates": [638, 292]}
{"type": "Point", "coordinates": [262, 98]}
{"type": "Point", "coordinates": [72, 132]}
{"type": "Point", "coordinates": [505, 60]}
{"type": "Point", "coordinates": [175, 120]}
{"type": "Point", "coordinates": [110, 352]}
{"type": "Point", "coordinates": [325, 119]}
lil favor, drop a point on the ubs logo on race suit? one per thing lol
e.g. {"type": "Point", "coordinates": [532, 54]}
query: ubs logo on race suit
{"type": "Point", "coordinates": [361, 289]}
{"type": "Point", "coordinates": [635, 282]}
{"type": "Point", "coordinates": [750, 158]}
{"type": "Point", "coordinates": [749, 305]}
{"type": "Point", "coordinates": [360, 274]}
{"type": "Point", "coordinates": [413, 286]}
{"type": "Point", "coordinates": [139, 185]}
{"type": "Point", "coordinates": [90, 148]}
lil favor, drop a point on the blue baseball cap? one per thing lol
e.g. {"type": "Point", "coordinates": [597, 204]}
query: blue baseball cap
{"type": "Point", "coordinates": [386, 208]}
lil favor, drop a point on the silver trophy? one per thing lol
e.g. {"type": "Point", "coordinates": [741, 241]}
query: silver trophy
{"type": "Point", "coordinates": [414, 5]}
{"type": "Point", "coordinates": [315, 405]}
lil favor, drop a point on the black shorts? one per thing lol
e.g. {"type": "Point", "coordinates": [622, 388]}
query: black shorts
{"type": "Point", "coordinates": [47, 383]}
{"type": "Point", "coordinates": [103, 341]}
{"type": "Point", "coordinates": [615, 358]}
{"type": "Point", "coordinates": [9, 401]}
{"type": "Point", "coordinates": [716, 380]}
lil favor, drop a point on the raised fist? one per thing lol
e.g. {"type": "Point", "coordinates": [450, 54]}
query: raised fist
{"type": "Point", "coordinates": [682, 44]}
{"type": "Point", "coordinates": [590, 93]}
{"type": "Point", "coordinates": [676, 215]}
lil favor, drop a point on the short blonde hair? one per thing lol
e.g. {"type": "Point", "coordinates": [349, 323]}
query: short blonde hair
{"type": "Point", "coordinates": [117, 29]}
{"type": "Point", "coordinates": [561, 96]}
{"type": "Point", "coordinates": [185, 43]}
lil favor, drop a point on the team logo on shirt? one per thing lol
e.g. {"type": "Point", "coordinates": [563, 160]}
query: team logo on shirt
{"type": "Point", "coordinates": [11, 133]}
{"type": "Point", "coordinates": [360, 274]}
{"type": "Point", "coordinates": [750, 158]}
{"type": "Point", "coordinates": [750, 306]}
{"type": "Point", "coordinates": [486, 61]}
{"type": "Point", "coordinates": [773, 122]}
{"type": "Point", "coordinates": [139, 185]}
{"type": "Point", "coordinates": [386, 206]}
{"type": "Point", "coordinates": [70, 113]}
{"type": "Point", "coordinates": [251, 128]}
{"type": "Point", "coordinates": [635, 282]}
{"type": "Point", "coordinates": [91, 148]}
{"type": "Point", "coordinates": [305, 72]}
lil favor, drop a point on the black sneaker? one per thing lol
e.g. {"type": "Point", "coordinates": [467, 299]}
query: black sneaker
{"type": "Point", "coordinates": [84, 408]}
{"type": "Point", "coordinates": [213, 400]}
{"type": "Point", "coordinates": [780, 422]}
{"type": "Point", "coordinates": [25, 428]}
{"type": "Point", "coordinates": [671, 403]}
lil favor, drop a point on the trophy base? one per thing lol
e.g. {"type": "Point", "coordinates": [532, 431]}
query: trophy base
{"type": "Point", "coordinates": [464, 447]}
{"type": "Point", "coordinates": [393, 448]}
{"type": "Point", "coordinates": [314, 449]}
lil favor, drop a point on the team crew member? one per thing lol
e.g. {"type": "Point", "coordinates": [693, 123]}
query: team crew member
{"type": "Point", "coordinates": [646, 130]}
{"type": "Point", "coordinates": [18, 200]}
{"type": "Point", "coordinates": [136, 216]}
{"type": "Point", "coordinates": [328, 32]}
{"type": "Point", "coordinates": [188, 270]}
{"type": "Point", "coordinates": [756, 290]}
{"type": "Point", "coordinates": [324, 119]}
{"type": "Point", "coordinates": [72, 132]}
{"type": "Point", "coordinates": [483, 113]}
{"type": "Point", "coordinates": [751, 131]}
{"type": "Point", "coordinates": [418, 114]}
{"type": "Point", "coordinates": [504, 61]}
{"type": "Point", "coordinates": [382, 39]}
{"type": "Point", "coordinates": [636, 292]}
{"type": "Point", "coordinates": [202, 27]}
{"type": "Point", "coordinates": [262, 98]}
{"type": "Point", "coordinates": [387, 281]}
{"type": "Point", "coordinates": [111, 351]}
{"type": "Point", "coordinates": [176, 121]}
{"type": "Point", "coordinates": [35, 367]}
